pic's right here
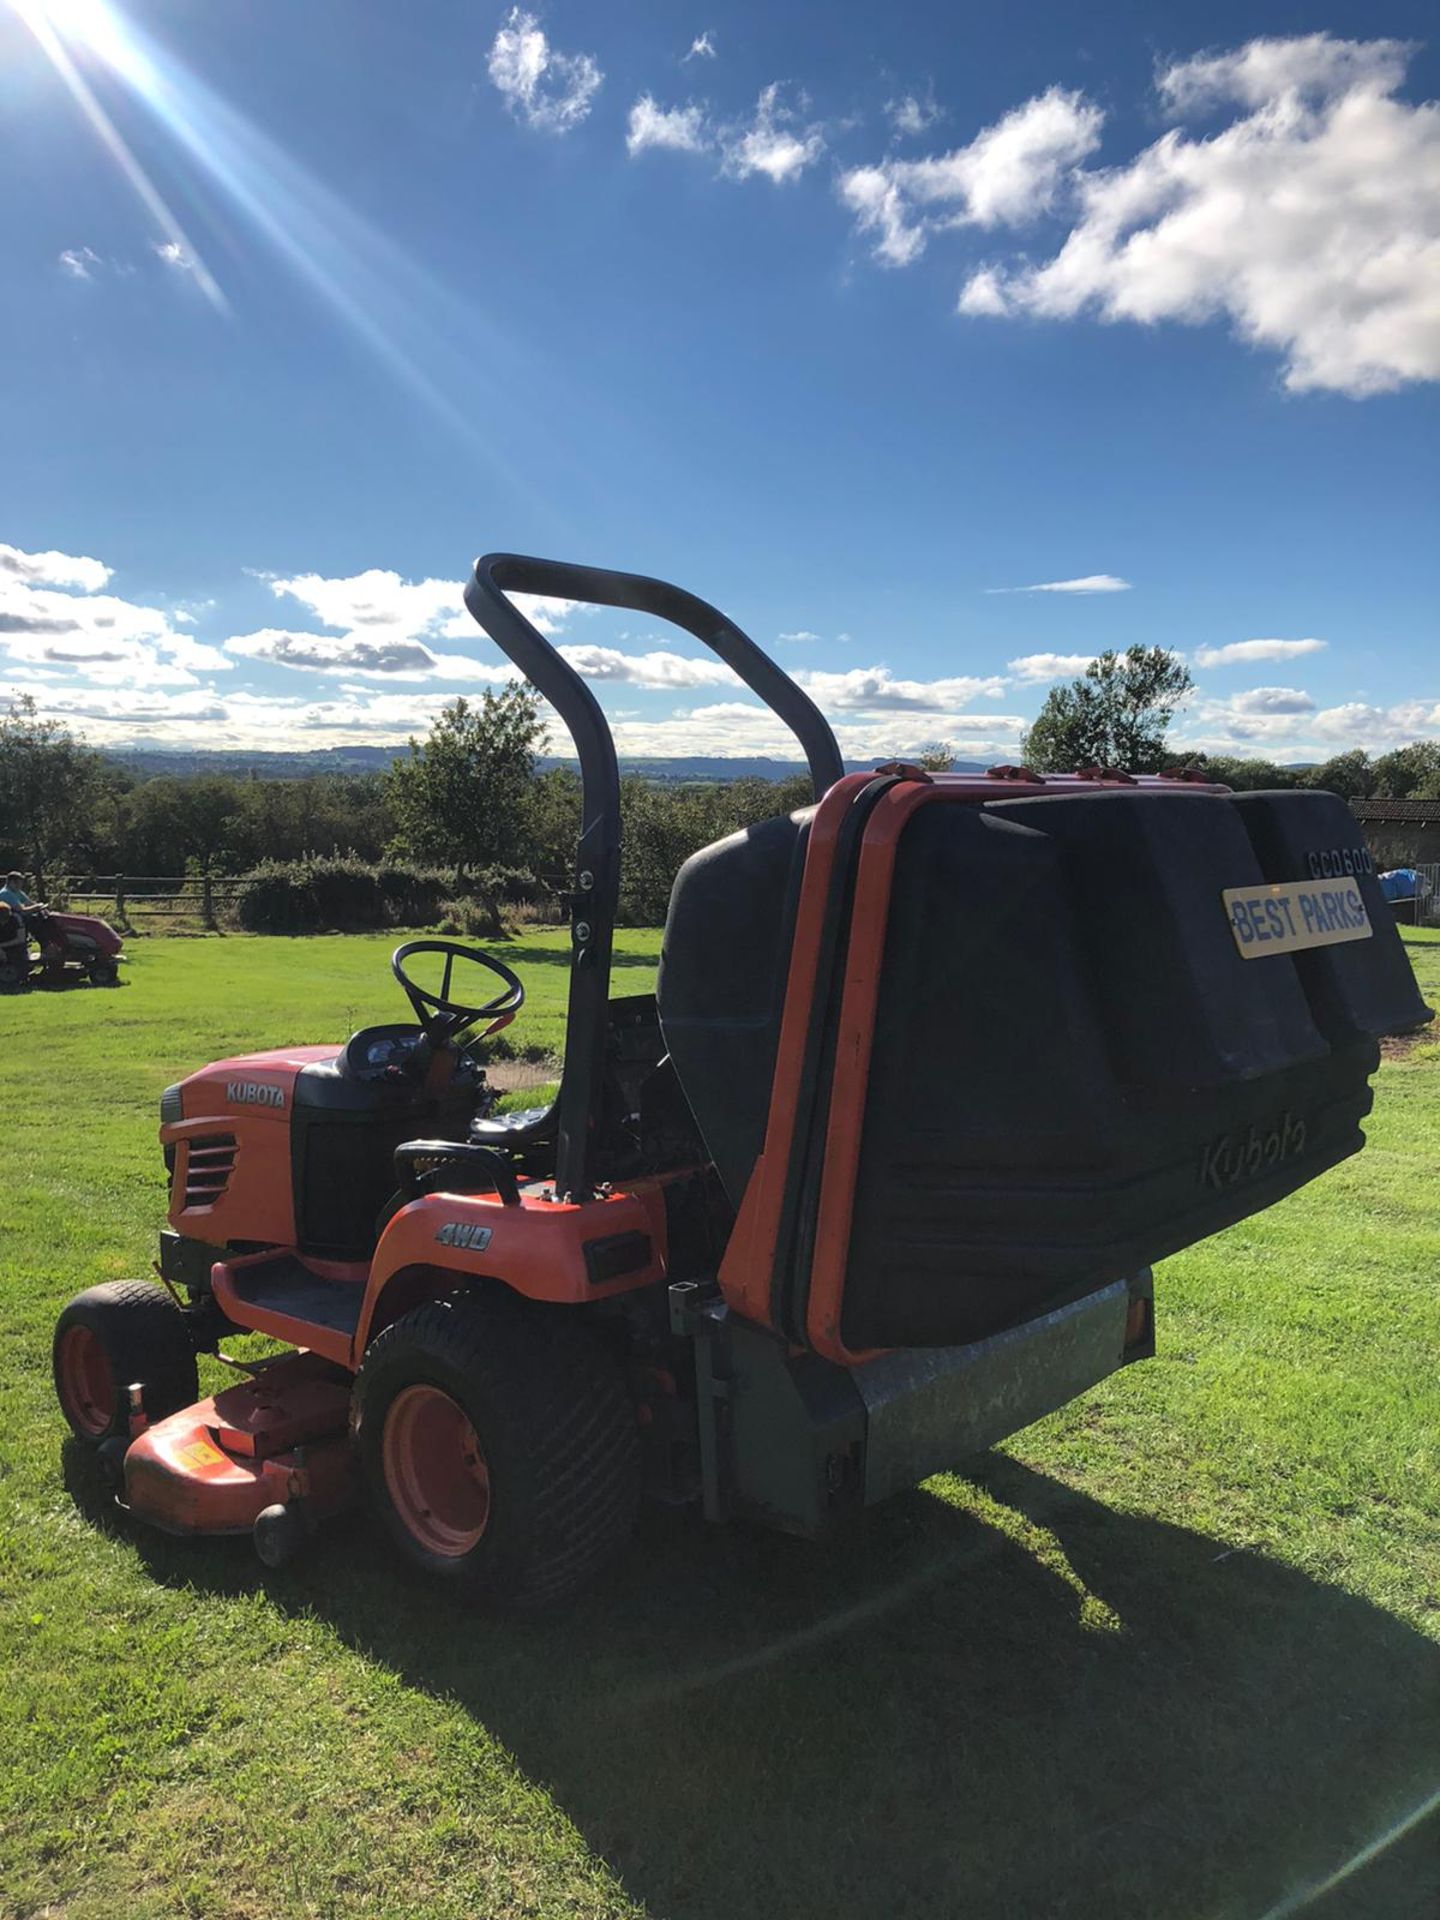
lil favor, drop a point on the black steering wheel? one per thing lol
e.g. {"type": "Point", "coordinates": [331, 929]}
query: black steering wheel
{"type": "Point", "coordinates": [440, 1014]}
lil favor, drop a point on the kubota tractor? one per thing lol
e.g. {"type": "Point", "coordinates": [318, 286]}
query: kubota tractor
{"type": "Point", "coordinates": [935, 1069]}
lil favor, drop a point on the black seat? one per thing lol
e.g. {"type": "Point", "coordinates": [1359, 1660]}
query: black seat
{"type": "Point", "coordinates": [507, 1129]}
{"type": "Point", "coordinates": [721, 989]}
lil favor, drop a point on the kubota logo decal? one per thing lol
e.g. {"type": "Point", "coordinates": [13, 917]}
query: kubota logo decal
{"type": "Point", "coordinates": [1241, 1156]}
{"type": "Point", "coordinates": [255, 1093]}
{"type": "Point", "coordinates": [460, 1233]}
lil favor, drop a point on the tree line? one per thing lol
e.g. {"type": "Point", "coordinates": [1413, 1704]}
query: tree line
{"type": "Point", "coordinates": [471, 797]}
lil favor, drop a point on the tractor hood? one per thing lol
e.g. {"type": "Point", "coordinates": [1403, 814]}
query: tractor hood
{"type": "Point", "coordinates": [250, 1083]}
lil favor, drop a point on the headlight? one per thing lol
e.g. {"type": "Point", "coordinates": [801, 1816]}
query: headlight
{"type": "Point", "coordinates": [170, 1106]}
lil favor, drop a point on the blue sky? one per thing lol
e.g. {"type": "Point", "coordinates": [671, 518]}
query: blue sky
{"type": "Point", "coordinates": [867, 323]}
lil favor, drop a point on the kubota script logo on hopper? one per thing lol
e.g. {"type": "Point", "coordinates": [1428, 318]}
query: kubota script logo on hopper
{"type": "Point", "coordinates": [1243, 1155]}
{"type": "Point", "coordinates": [255, 1093]}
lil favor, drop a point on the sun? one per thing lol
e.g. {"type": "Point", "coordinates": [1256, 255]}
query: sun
{"type": "Point", "coordinates": [87, 27]}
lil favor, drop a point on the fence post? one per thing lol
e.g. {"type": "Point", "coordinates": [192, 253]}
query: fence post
{"type": "Point", "coordinates": [120, 899]}
{"type": "Point", "coordinates": [207, 904]}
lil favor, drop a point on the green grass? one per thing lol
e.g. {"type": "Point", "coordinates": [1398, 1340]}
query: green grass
{"type": "Point", "coordinates": [1171, 1655]}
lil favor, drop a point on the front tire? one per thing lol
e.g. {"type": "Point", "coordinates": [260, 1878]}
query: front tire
{"type": "Point", "coordinates": [108, 1339]}
{"type": "Point", "coordinates": [499, 1446]}
{"type": "Point", "coordinates": [104, 973]}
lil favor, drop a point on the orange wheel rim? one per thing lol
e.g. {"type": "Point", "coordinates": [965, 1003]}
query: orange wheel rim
{"type": "Point", "coordinates": [435, 1471]}
{"type": "Point", "coordinates": [86, 1386]}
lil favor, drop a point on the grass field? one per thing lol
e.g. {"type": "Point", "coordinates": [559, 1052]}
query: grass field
{"type": "Point", "coordinates": [1173, 1654]}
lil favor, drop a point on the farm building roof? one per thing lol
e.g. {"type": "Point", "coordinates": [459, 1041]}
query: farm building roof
{"type": "Point", "coordinates": [1425, 811]}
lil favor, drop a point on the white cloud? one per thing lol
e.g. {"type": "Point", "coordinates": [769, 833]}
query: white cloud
{"type": "Point", "coordinates": [177, 257]}
{"type": "Point", "coordinates": [1034, 667]}
{"type": "Point", "coordinates": [911, 115]}
{"type": "Point", "coordinates": [1246, 652]}
{"type": "Point", "coordinates": [319, 653]}
{"type": "Point", "coordinates": [1311, 222]}
{"type": "Point", "coordinates": [376, 598]}
{"type": "Point", "coordinates": [1315, 66]}
{"type": "Point", "coordinates": [110, 713]}
{"type": "Point", "coordinates": [387, 626]}
{"type": "Point", "coordinates": [1273, 700]}
{"type": "Point", "coordinates": [1264, 722]}
{"type": "Point", "coordinates": [983, 294]}
{"type": "Point", "coordinates": [773, 142]}
{"type": "Point", "coordinates": [550, 91]}
{"type": "Point", "coordinates": [52, 569]}
{"type": "Point", "coordinates": [79, 262]}
{"type": "Point", "coordinates": [1356, 724]}
{"type": "Point", "coordinates": [1085, 583]}
{"type": "Point", "coordinates": [876, 690]}
{"type": "Point", "coordinates": [681, 129]}
{"type": "Point", "coordinates": [735, 728]}
{"type": "Point", "coordinates": [702, 47]}
{"type": "Point", "coordinates": [1008, 174]}
{"type": "Point", "coordinates": [98, 636]}
{"type": "Point", "coordinates": [658, 669]}
{"type": "Point", "coordinates": [801, 637]}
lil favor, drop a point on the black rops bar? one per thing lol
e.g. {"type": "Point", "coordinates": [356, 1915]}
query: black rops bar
{"type": "Point", "coordinates": [597, 874]}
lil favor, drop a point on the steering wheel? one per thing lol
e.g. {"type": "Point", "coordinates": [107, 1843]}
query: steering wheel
{"type": "Point", "coordinates": [442, 1016]}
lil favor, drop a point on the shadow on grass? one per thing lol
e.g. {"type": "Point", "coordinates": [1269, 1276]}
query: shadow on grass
{"type": "Point", "coordinates": [1072, 1713]}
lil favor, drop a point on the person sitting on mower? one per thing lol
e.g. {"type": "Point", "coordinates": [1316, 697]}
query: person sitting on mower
{"type": "Point", "coordinates": [14, 944]}
{"type": "Point", "coordinates": [13, 893]}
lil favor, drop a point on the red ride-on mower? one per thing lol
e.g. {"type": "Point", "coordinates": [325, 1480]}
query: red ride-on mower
{"type": "Point", "coordinates": [74, 946]}
{"type": "Point", "coordinates": [935, 1069]}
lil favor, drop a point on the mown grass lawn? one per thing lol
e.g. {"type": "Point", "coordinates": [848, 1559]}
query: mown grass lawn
{"type": "Point", "coordinates": [1172, 1654]}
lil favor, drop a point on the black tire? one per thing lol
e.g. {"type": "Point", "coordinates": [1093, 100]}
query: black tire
{"type": "Point", "coordinates": [104, 973]}
{"type": "Point", "coordinates": [556, 1429]}
{"type": "Point", "coordinates": [143, 1337]}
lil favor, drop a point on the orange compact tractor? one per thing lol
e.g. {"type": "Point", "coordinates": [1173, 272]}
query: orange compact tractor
{"type": "Point", "coordinates": [935, 1069]}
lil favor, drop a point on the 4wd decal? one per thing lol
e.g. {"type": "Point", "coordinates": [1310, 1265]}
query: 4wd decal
{"type": "Point", "coordinates": [1242, 1155]}
{"type": "Point", "coordinates": [255, 1093]}
{"type": "Point", "coordinates": [462, 1233]}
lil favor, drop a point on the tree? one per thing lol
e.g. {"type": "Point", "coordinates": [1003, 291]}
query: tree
{"type": "Point", "coordinates": [1115, 715]}
{"type": "Point", "coordinates": [463, 795]}
{"type": "Point", "coordinates": [938, 757]}
{"type": "Point", "coordinates": [50, 784]}
{"type": "Point", "coordinates": [1348, 774]}
{"type": "Point", "coordinates": [1246, 776]}
{"type": "Point", "coordinates": [1409, 773]}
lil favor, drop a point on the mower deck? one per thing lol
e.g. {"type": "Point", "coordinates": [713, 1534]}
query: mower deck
{"type": "Point", "coordinates": [272, 1440]}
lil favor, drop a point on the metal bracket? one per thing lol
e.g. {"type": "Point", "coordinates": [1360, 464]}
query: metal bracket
{"type": "Point", "coordinates": [698, 1314]}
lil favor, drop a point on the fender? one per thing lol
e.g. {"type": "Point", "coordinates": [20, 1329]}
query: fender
{"type": "Point", "coordinates": [544, 1249]}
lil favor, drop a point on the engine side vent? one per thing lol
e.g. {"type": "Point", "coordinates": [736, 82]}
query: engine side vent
{"type": "Point", "coordinates": [209, 1163]}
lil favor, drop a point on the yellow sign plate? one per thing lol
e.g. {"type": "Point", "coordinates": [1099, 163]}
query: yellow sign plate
{"type": "Point", "coordinates": [1301, 913]}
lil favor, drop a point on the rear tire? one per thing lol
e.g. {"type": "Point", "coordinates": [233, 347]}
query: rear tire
{"type": "Point", "coordinates": [106, 1340]}
{"type": "Point", "coordinates": [498, 1444]}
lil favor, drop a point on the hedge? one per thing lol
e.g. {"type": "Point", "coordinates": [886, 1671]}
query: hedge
{"type": "Point", "coordinates": [337, 895]}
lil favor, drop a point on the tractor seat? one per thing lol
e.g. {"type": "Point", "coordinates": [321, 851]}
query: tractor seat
{"type": "Point", "coordinates": [503, 1128]}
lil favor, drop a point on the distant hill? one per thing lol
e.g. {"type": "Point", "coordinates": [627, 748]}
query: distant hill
{"type": "Point", "coordinates": [186, 763]}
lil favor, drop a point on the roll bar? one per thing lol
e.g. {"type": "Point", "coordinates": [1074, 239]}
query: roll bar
{"type": "Point", "coordinates": [597, 872]}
